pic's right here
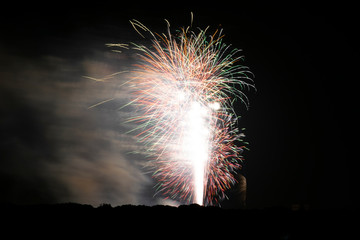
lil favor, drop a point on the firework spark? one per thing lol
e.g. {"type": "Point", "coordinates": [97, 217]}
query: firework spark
{"type": "Point", "coordinates": [184, 87]}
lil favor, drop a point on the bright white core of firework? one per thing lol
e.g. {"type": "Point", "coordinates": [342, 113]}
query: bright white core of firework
{"type": "Point", "coordinates": [196, 145]}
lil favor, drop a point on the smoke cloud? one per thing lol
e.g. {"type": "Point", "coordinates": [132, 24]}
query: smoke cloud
{"type": "Point", "coordinates": [55, 149]}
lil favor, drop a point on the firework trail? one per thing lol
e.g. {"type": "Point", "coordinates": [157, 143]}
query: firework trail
{"type": "Point", "coordinates": [184, 87]}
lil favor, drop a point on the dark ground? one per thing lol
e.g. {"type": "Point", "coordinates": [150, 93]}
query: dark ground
{"type": "Point", "coordinates": [71, 220]}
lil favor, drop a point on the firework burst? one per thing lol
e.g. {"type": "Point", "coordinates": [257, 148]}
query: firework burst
{"type": "Point", "coordinates": [184, 87]}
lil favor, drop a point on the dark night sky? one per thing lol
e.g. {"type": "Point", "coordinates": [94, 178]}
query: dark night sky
{"type": "Point", "coordinates": [299, 125]}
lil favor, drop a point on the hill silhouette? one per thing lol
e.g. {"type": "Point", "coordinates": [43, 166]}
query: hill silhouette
{"type": "Point", "coordinates": [185, 220]}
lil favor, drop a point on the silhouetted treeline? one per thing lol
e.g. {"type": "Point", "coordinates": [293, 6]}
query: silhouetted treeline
{"type": "Point", "coordinates": [210, 222]}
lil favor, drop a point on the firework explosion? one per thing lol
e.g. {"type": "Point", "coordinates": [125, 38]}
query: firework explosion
{"type": "Point", "coordinates": [184, 87]}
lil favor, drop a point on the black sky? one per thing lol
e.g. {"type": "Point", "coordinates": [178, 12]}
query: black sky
{"type": "Point", "coordinates": [299, 125]}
